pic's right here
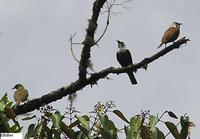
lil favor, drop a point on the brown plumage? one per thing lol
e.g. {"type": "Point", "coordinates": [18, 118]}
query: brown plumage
{"type": "Point", "coordinates": [21, 94]}
{"type": "Point", "coordinates": [171, 34]}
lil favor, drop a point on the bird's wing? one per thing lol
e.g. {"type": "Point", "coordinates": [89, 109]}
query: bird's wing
{"type": "Point", "coordinates": [25, 95]}
{"type": "Point", "coordinates": [17, 98]}
{"type": "Point", "coordinates": [169, 35]}
{"type": "Point", "coordinates": [124, 58]}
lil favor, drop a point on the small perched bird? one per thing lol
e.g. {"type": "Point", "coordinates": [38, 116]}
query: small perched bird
{"type": "Point", "coordinates": [21, 94]}
{"type": "Point", "coordinates": [125, 59]}
{"type": "Point", "coordinates": [171, 34]}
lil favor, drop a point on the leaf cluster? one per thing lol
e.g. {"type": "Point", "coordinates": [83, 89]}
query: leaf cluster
{"type": "Point", "coordinates": [8, 122]}
{"type": "Point", "coordinates": [98, 124]}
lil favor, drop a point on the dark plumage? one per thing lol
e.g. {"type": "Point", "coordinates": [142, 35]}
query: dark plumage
{"type": "Point", "coordinates": [125, 59]}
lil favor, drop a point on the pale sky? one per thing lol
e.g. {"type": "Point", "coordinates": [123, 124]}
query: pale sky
{"type": "Point", "coordinates": [35, 51]}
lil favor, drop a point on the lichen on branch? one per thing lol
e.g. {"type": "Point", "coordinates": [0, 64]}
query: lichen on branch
{"type": "Point", "coordinates": [89, 39]}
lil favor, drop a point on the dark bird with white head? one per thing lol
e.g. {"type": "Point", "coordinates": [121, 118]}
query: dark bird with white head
{"type": "Point", "coordinates": [125, 59]}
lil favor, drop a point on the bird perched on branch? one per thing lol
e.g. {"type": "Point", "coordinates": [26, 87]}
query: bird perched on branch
{"type": "Point", "coordinates": [21, 94]}
{"type": "Point", "coordinates": [171, 34]}
{"type": "Point", "coordinates": [125, 59]}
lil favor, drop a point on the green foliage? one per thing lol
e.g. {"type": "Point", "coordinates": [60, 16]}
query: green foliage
{"type": "Point", "coordinates": [99, 125]}
{"type": "Point", "coordinates": [173, 129]}
{"type": "Point", "coordinates": [52, 124]}
{"type": "Point", "coordinates": [6, 115]}
{"type": "Point", "coordinates": [184, 124]}
{"type": "Point", "coordinates": [132, 131]}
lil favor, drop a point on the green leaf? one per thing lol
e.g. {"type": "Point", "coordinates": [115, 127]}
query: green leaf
{"type": "Point", "coordinates": [38, 129]}
{"type": "Point", "coordinates": [2, 105]}
{"type": "Point", "coordinates": [56, 134]}
{"type": "Point", "coordinates": [75, 123]}
{"type": "Point", "coordinates": [109, 130]}
{"type": "Point", "coordinates": [13, 128]}
{"type": "Point", "coordinates": [108, 124]}
{"type": "Point", "coordinates": [9, 113]}
{"type": "Point", "coordinates": [184, 127]}
{"type": "Point", "coordinates": [173, 129]}
{"type": "Point", "coordinates": [29, 117]}
{"type": "Point", "coordinates": [9, 105]}
{"type": "Point", "coordinates": [120, 115]}
{"type": "Point", "coordinates": [16, 129]}
{"type": "Point", "coordinates": [19, 130]}
{"type": "Point", "coordinates": [157, 134]}
{"type": "Point", "coordinates": [145, 132]}
{"type": "Point", "coordinates": [101, 117]}
{"type": "Point", "coordinates": [160, 135]}
{"type": "Point", "coordinates": [133, 132]}
{"type": "Point", "coordinates": [85, 121]}
{"type": "Point", "coordinates": [31, 130]}
{"type": "Point", "coordinates": [152, 121]}
{"type": "Point", "coordinates": [4, 124]}
{"type": "Point", "coordinates": [56, 119]}
{"type": "Point", "coordinates": [4, 98]}
{"type": "Point", "coordinates": [69, 132]}
{"type": "Point", "coordinates": [135, 123]}
{"type": "Point", "coordinates": [85, 132]}
{"type": "Point", "coordinates": [17, 123]}
{"type": "Point", "coordinates": [171, 114]}
{"type": "Point", "coordinates": [78, 134]}
{"type": "Point", "coordinates": [49, 132]}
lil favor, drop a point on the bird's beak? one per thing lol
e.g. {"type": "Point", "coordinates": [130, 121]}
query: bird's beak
{"type": "Point", "coordinates": [14, 87]}
{"type": "Point", "coordinates": [177, 23]}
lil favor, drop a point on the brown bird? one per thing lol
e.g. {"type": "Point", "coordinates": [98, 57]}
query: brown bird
{"type": "Point", "coordinates": [171, 34]}
{"type": "Point", "coordinates": [21, 94]}
{"type": "Point", "coordinates": [125, 59]}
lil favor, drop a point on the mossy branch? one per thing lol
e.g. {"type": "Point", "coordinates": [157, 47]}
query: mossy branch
{"type": "Point", "coordinates": [93, 79]}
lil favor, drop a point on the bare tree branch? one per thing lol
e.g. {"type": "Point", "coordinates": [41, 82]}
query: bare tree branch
{"type": "Point", "coordinates": [78, 85]}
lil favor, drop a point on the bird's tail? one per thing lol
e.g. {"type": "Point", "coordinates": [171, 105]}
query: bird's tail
{"type": "Point", "coordinates": [160, 45]}
{"type": "Point", "coordinates": [132, 77]}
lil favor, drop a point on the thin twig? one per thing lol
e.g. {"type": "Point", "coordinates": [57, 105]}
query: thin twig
{"type": "Point", "coordinates": [159, 119]}
{"type": "Point", "coordinates": [107, 24]}
{"type": "Point", "coordinates": [71, 47]}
